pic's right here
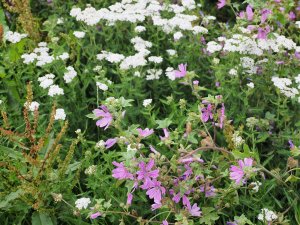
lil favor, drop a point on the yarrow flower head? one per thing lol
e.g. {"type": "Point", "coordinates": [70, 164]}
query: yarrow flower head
{"type": "Point", "coordinates": [82, 203]}
{"type": "Point", "coordinates": [242, 171]}
{"type": "Point", "coordinates": [106, 117]}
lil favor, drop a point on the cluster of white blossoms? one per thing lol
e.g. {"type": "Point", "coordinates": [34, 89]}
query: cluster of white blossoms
{"type": "Point", "coordinates": [137, 11]}
{"type": "Point", "coordinates": [70, 74]}
{"type": "Point", "coordinates": [237, 139]}
{"type": "Point", "coordinates": [41, 55]}
{"type": "Point", "coordinates": [153, 74]}
{"type": "Point", "coordinates": [14, 37]}
{"type": "Point", "coordinates": [250, 45]}
{"type": "Point", "coordinates": [170, 73]}
{"type": "Point", "coordinates": [32, 106]}
{"type": "Point", "coordinates": [47, 81]}
{"type": "Point", "coordinates": [283, 84]}
{"type": "Point", "coordinates": [82, 203]}
{"type": "Point", "coordinates": [102, 86]}
{"type": "Point", "coordinates": [255, 185]}
{"type": "Point", "coordinates": [60, 114]}
{"type": "Point", "coordinates": [79, 34]}
{"type": "Point", "coordinates": [155, 59]}
{"type": "Point", "coordinates": [90, 170]}
{"type": "Point", "coordinates": [248, 65]}
{"type": "Point", "coordinates": [147, 102]}
{"type": "Point", "coordinates": [267, 215]}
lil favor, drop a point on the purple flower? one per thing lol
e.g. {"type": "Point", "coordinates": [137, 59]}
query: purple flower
{"type": "Point", "coordinates": [156, 191]}
{"type": "Point", "coordinates": [291, 144]}
{"type": "Point", "coordinates": [121, 172]}
{"type": "Point", "coordinates": [297, 55]}
{"type": "Point", "coordinates": [262, 33]}
{"type": "Point", "coordinates": [195, 82]}
{"type": "Point", "coordinates": [210, 191]}
{"type": "Point", "coordinates": [265, 14]}
{"type": "Point", "coordinates": [110, 142]}
{"type": "Point", "coordinates": [237, 173]}
{"type": "Point", "coordinates": [166, 133]}
{"type": "Point", "coordinates": [106, 119]}
{"type": "Point", "coordinates": [292, 16]}
{"type": "Point", "coordinates": [165, 222]}
{"type": "Point", "coordinates": [145, 133]}
{"type": "Point", "coordinates": [152, 149]}
{"type": "Point", "coordinates": [95, 215]}
{"type": "Point", "coordinates": [156, 206]}
{"type": "Point", "coordinates": [207, 113]}
{"type": "Point", "coordinates": [194, 210]}
{"type": "Point", "coordinates": [129, 198]}
{"type": "Point", "coordinates": [221, 4]}
{"type": "Point", "coordinates": [181, 72]}
{"type": "Point", "coordinates": [249, 12]}
{"type": "Point", "coordinates": [146, 174]}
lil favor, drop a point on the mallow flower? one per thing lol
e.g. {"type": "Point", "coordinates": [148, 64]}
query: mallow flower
{"type": "Point", "coordinates": [105, 115]}
{"type": "Point", "coordinates": [242, 171]}
{"type": "Point", "coordinates": [181, 72]}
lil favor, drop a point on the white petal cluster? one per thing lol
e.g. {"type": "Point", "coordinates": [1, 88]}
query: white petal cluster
{"type": "Point", "coordinates": [70, 74]}
{"type": "Point", "coordinates": [255, 185]}
{"type": "Point", "coordinates": [155, 59]}
{"type": "Point", "coordinates": [248, 65]}
{"type": "Point", "coordinates": [283, 85]}
{"type": "Point", "coordinates": [170, 73]}
{"type": "Point", "coordinates": [153, 74]}
{"type": "Point", "coordinates": [237, 139]}
{"type": "Point", "coordinates": [267, 215]}
{"type": "Point", "coordinates": [14, 37]}
{"type": "Point", "coordinates": [147, 102]}
{"type": "Point", "coordinates": [102, 86]}
{"type": "Point", "coordinates": [139, 29]}
{"type": "Point", "coordinates": [90, 170]}
{"type": "Point", "coordinates": [55, 90]}
{"type": "Point", "coordinates": [60, 114]}
{"type": "Point", "coordinates": [79, 34]}
{"type": "Point", "coordinates": [110, 57]}
{"type": "Point", "coordinates": [46, 81]}
{"type": "Point", "coordinates": [32, 106]}
{"type": "Point", "coordinates": [171, 52]}
{"type": "Point", "coordinates": [82, 203]}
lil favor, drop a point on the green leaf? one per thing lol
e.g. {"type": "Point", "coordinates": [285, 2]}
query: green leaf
{"type": "Point", "coordinates": [163, 123]}
{"type": "Point", "coordinates": [41, 218]}
{"type": "Point", "coordinates": [209, 216]}
{"type": "Point", "coordinates": [12, 196]}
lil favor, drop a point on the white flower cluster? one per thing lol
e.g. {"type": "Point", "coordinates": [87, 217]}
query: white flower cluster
{"type": "Point", "coordinates": [90, 170]}
{"type": "Point", "coordinates": [70, 74]}
{"type": "Point", "coordinates": [283, 85]}
{"type": "Point", "coordinates": [171, 52]}
{"type": "Point", "coordinates": [82, 203]}
{"type": "Point", "coordinates": [153, 74]}
{"type": "Point", "coordinates": [102, 86]}
{"type": "Point", "coordinates": [32, 106]}
{"type": "Point", "coordinates": [79, 34]}
{"type": "Point", "coordinates": [255, 185]}
{"type": "Point", "coordinates": [155, 59]}
{"type": "Point", "coordinates": [41, 55]}
{"type": "Point", "coordinates": [60, 114]}
{"type": "Point", "coordinates": [237, 139]}
{"type": "Point", "coordinates": [249, 65]}
{"type": "Point", "coordinates": [110, 57]}
{"type": "Point", "coordinates": [14, 37]}
{"type": "Point", "coordinates": [139, 29]}
{"type": "Point", "coordinates": [267, 215]}
{"type": "Point", "coordinates": [170, 73]}
{"type": "Point", "coordinates": [251, 45]}
{"type": "Point", "coordinates": [137, 11]}
{"type": "Point", "coordinates": [147, 102]}
{"type": "Point", "coordinates": [47, 82]}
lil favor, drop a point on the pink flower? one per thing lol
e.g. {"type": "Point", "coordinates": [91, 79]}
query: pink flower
{"type": "Point", "coordinates": [263, 32]}
{"type": "Point", "coordinates": [156, 191]}
{"type": "Point", "coordinates": [95, 215]}
{"type": "Point", "coordinates": [221, 4]}
{"type": "Point", "coordinates": [121, 172]}
{"type": "Point", "coordinates": [110, 142]}
{"type": "Point", "coordinates": [106, 119]}
{"type": "Point", "coordinates": [145, 133]}
{"type": "Point", "coordinates": [166, 133]}
{"type": "Point", "coordinates": [182, 71]}
{"type": "Point", "coordinates": [129, 198]}
{"type": "Point", "coordinates": [292, 16]}
{"type": "Point", "coordinates": [207, 113]}
{"type": "Point", "coordinates": [146, 174]}
{"type": "Point", "coordinates": [165, 222]}
{"type": "Point", "coordinates": [249, 12]}
{"type": "Point", "coordinates": [264, 15]}
{"type": "Point", "coordinates": [209, 190]}
{"type": "Point", "coordinates": [152, 149]}
{"type": "Point", "coordinates": [194, 210]}
{"type": "Point", "coordinates": [237, 173]}
{"type": "Point", "coordinates": [156, 206]}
